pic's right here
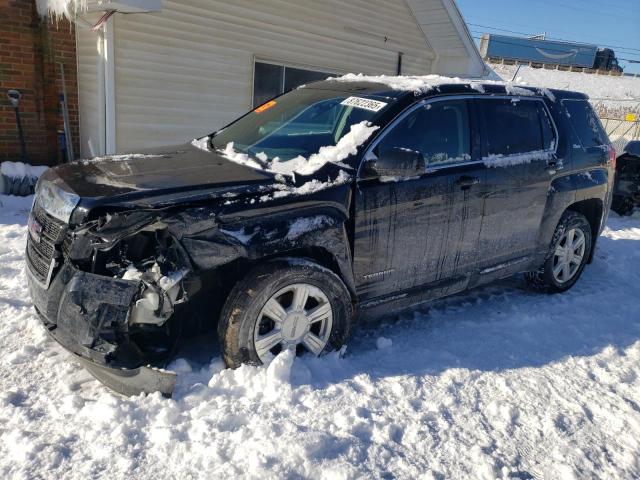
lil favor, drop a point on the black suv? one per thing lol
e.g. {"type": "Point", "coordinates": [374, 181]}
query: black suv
{"type": "Point", "coordinates": [343, 199]}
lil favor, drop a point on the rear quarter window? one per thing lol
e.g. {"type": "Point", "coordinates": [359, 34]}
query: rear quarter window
{"type": "Point", "coordinates": [516, 126]}
{"type": "Point", "coordinates": [585, 123]}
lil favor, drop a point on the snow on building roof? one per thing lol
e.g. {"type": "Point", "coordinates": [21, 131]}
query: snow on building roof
{"type": "Point", "coordinates": [59, 8]}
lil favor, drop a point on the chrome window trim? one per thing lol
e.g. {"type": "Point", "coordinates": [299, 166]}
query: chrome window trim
{"type": "Point", "coordinates": [369, 155]}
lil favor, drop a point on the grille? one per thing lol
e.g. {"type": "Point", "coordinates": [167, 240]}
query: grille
{"type": "Point", "coordinates": [39, 264]}
{"type": "Point", "coordinates": [52, 228]}
{"type": "Point", "coordinates": [41, 254]}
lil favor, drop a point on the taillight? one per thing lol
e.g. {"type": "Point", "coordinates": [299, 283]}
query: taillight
{"type": "Point", "coordinates": [612, 157]}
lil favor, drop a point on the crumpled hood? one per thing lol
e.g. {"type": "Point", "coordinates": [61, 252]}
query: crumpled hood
{"type": "Point", "coordinates": [155, 172]}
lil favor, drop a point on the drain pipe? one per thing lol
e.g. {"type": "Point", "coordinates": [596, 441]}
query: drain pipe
{"type": "Point", "coordinates": [106, 82]}
{"type": "Point", "coordinates": [14, 97]}
{"type": "Point", "coordinates": [109, 87]}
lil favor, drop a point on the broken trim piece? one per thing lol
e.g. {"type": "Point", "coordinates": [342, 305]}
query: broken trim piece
{"type": "Point", "coordinates": [132, 382]}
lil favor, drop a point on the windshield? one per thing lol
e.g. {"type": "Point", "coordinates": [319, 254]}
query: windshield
{"type": "Point", "coordinates": [299, 124]}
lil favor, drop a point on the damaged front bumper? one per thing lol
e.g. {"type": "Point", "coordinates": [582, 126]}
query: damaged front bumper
{"type": "Point", "coordinates": [88, 315]}
{"type": "Point", "coordinates": [131, 381]}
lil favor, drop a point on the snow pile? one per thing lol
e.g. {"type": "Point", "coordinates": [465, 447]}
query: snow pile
{"type": "Point", "coordinates": [237, 157]}
{"type": "Point", "coordinates": [17, 178]}
{"type": "Point", "coordinates": [346, 146]}
{"type": "Point", "coordinates": [202, 143]}
{"type": "Point", "coordinates": [312, 186]}
{"type": "Point", "coordinates": [21, 170]}
{"type": "Point", "coordinates": [485, 385]}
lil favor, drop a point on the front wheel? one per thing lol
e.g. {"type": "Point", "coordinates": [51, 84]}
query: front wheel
{"type": "Point", "coordinates": [568, 255]}
{"type": "Point", "coordinates": [284, 304]}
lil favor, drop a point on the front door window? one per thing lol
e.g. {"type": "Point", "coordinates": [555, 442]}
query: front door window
{"type": "Point", "coordinates": [438, 131]}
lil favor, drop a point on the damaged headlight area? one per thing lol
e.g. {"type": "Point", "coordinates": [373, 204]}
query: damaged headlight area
{"type": "Point", "coordinates": [131, 252]}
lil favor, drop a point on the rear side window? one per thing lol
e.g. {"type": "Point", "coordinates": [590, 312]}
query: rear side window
{"type": "Point", "coordinates": [585, 123]}
{"type": "Point", "coordinates": [514, 126]}
{"type": "Point", "coordinates": [439, 131]}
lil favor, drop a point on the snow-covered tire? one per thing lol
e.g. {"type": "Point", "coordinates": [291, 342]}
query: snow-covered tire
{"type": "Point", "coordinates": [623, 206]}
{"type": "Point", "coordinates": [544, 280]}
{"type": "Point", "coordinates": [245, 304]}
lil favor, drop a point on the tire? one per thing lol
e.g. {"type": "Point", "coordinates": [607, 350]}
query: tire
{"type": "Point", "coordinates": [544, 279]}
{"type": "Point", "coordinates": [623, 206]}
{"type": "Point", "coordinates": [237, 327]}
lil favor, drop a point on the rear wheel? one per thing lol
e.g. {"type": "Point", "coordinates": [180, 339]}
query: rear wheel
{"type": "Point", "coordinates": [569, 252]}
{"type": "Point", "coordinates": [284, 304]}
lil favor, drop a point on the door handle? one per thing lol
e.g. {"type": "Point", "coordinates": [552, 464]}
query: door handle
{"type": "Point", "coordinates": [465, 182]}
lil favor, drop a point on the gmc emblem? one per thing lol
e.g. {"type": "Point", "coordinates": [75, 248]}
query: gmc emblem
{"type": "Point", "coordinates": [35, 229]}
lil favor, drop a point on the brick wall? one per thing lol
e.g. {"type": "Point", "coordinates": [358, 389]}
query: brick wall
{"type": "Point", "coordinates": [30, 50]}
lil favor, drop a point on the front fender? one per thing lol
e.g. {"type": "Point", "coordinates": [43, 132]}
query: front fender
{"type": "Point", "coordinates": [268, 230]}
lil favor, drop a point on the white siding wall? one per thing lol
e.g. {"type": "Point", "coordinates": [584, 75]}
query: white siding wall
{"type": "Point", "coordinates": [442, 24]}
{"type": "Point", "coordinates": [91, 106]}
{"type": "Point", "coordinates": [189, 69]}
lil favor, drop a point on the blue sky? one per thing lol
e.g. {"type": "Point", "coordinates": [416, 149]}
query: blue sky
{"type": "Point", "coordinates": [614, 23]}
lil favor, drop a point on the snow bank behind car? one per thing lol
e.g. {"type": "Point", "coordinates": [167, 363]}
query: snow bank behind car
{"type": "Point", "coordinates": [17, 178]}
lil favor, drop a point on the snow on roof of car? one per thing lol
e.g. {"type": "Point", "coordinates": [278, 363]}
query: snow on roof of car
{"type": "Point", "coordinates": [426, 83]}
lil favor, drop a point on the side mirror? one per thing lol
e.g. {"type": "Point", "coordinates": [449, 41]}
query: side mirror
{"type": "Point", "coordinates": [398, 162]}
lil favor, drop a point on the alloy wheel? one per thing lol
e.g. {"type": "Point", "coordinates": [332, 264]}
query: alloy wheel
{"type": "Point", "coordinates": [569, 255]}
{"type": "Point", "coordinates": [297, 316]}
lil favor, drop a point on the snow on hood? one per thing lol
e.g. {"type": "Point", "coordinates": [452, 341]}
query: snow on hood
{"type": "Point", "coordinates": [125, 157]}
{"type": "Point", "coordinates": [425, 83]}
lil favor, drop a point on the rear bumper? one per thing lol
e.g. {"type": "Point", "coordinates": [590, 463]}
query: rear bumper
{"type": "Point", "coordinates": [87, 314]}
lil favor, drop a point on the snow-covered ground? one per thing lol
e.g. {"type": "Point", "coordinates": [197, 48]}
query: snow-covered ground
{"type": "Point", "coordinates": [498, 383]}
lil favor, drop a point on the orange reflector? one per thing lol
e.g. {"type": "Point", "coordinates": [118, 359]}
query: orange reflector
{"type": "Point", "coordinates": [265, 106]}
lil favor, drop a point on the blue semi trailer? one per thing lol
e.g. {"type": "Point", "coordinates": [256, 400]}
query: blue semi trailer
{"type": "Point", "coordinates": [538, 50]}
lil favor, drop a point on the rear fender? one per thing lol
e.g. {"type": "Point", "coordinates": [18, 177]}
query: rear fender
{"type": "Point", "coordinates": [566, 191]}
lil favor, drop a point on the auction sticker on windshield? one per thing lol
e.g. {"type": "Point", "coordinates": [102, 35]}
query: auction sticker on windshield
{"type": "Point", "coordinates": [364, 103]}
